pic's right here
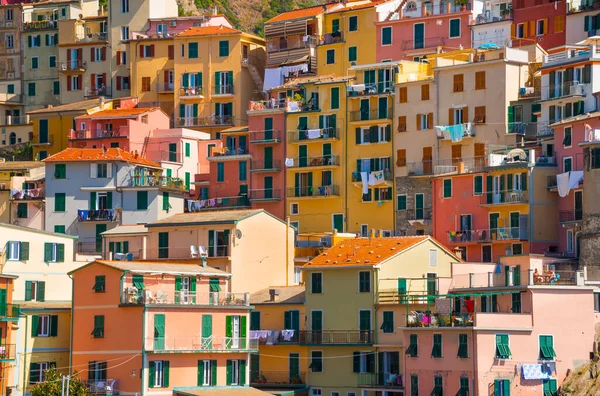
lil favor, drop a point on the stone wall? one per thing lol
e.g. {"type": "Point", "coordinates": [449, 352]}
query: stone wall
{"type": "Point", "coordinates": [410, 186]}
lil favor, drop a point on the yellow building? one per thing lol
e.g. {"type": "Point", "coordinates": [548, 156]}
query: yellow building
{"type": "Point", "coordinates": [22, 193]}
{"type": "Point", "coordinates": [51, 125]}
{"type": "Point", "coordinates": [354, 344]}
{"type": "Point", "coordinates": [278, 321]}
{"type": "Point", "coordinates": [219, 71]}
{"type": "Point", "coordinates": [315, 119]}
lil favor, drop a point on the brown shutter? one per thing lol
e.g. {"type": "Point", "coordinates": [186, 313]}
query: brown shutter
{"type": "Point", "coordinates": [401, 157]}
{"type": "Point", "coordinates": [418, 122]}
{"type": "Point", "coordinates": [79, 54]}
{"type": "Point", "coordinates": [430, 120]}
{"type": "Point", "coordinates": [402, 124]}
{"type": "Point", "coordinates": [480, 114]}
{"type": "Point", "coordinates": [465, 114]}
{"type": "Point", "coordinates": [171, 52]}
{"type": "Point", "coordinates": [456, 153]}
{"type": "Point", "coordinates": [403, 95]}
{"type": "Point", "coordinates": [80, 80]}
{"type": "Point", "coordinates": [141, 51]}
{"type": "Point", "coordinates": [427, 153]}
{"type": "Point", "coordinates": [118, 83]}
{"type": "Point", "coordinates": [104, 79]}
{"type": "Point", "coordinates": [92, 54]}
{"type": "Point", "coordinates": [103, 53]}
{"type": "Point", "coordinates": [68, 83]}
{"type": "Point", "coordinates": [152, 51]}
{"type": "Point", "coordinates": [93, 84]}
{"type": "Point", "coordinates": [425, 92]}
{"type": "Point", "coordinates": [118, 58]}
{"type": "Point", "coordinates": [450, 116]}
{"type": "Point", "coordinates": [68, 55]}
{"type": "Point", "coordinates": [166, 76]}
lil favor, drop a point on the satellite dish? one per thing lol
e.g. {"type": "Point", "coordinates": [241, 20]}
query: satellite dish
{"type": "Point", "coordinates": [238, 234]}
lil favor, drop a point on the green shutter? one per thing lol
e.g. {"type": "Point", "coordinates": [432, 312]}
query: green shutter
{"type": "Point", "coordinates": [165, 202]}
{"type": "Point", "coordinates": [255, 320]}
{"type": "Point", "coordinates": [47, 252]}
{"type": "Point", "coordinates": [200, 379]}
{"type": "Point", "coordinates": [386, 35]}
{"type": "Point", "coordinates": [436, 351]}
{"type": "Point", "coordinates": [24, 251]}
{"type": "Point", "coordinates": [335, 98]}
{"type": "Point", "coordinates": [166, 373]}
{"type": "Point", "coordinates": [224, 48]}
{"type": "Point", "coordinates": [41, 291]}
{"type": "Point", "coordinates": [356, 362]}
{"type": "Point", "coordinates": [455, 28]}
{"type": "Point", "coordinates": [186, 83]}
{"type": "Point", "coordinates": [28, 290]}
{"type": "Point", "coordinates": [401, 202]}
{"type": "Point", "coordinates": [229, 369]}
{"type": "Point", "coordinates": [213, 367]}
{"type": "Point", "coordinates": [60, 252]}
{"type": "Point", "coordinates": [242, 368]}
{"type": "Point", "coordinates": [228, 326]}
{"type": "Point", "coordinates": [60, 202]}
{"type": "Point", "coordinates": [92, 204]}
{"type": "Point", "coordinates": [35, 321]}
{"type": "Point", "coordinates": [151, 374]}
{"type": "Point", "coordinates": [462, 346]}
{"type": "Point", "coordinates": [478, 180]}
{"type": "Point", "coordinates": [142, 200]}
{"type": "Point", "coordinates": [447, 188]}
{"type": "Point", "coordinates": [352, 54]}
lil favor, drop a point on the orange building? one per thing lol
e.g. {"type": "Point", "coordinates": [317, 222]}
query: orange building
{"type": "Point", "coordinates": [154, 328]}
{"type": "Point", "coordinates": [9, 315]}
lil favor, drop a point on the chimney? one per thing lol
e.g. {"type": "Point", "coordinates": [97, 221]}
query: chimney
{"type": "Point", "coordinates": [101, 99]}
{"type": "Point", "coordinates": [215, 10]}
{"type": "Point", "coordinates": [135, 153]}
{"type": "Point", "coordinates": [273, 295]}
{"type": "Point", "coordinates": [532, 156]}
{"type": "Point", "coordinates": [380, 233]}
{"type": "Point", "coordinates": [371, 234]}
{"type": "Point", "coordinates": [457, 252]}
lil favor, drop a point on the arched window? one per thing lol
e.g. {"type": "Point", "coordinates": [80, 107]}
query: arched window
{"type": "Point", "coordinates": [12, 138]}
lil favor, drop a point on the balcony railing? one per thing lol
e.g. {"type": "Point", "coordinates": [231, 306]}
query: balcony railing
{"type": "Point", "coordinates": [270, 165]}
{"type": "Point", "coordinates": [570, 88]}
{"type": "Point", "coordinates": [455, 132]}
{"type": "Point", "coordinates": [504, 197]}
{"type": "Point", "coordinates": [290, 43]}
{"type": "Point", "coordinates": [121, 132]}
{"type": "Point", "coordinates": [387, 175]}
{"type": "Point", "coordinates": [40, 25]}
{"type": "Point", "coordinates": [8, 352]}
{"type": "Point", "coordinates": [94, 92]}
{"type": "Point", "coordinates": [530, 92]}
{"type": "Point", "coordinates": [277, 378]}
{"type": "Point", "coordinates": [228, 151]}
{"type": "Point", "coordinates": [189, 92]}
{"type": "Point", "coordinates": [368, 115]}
{"type": "Point", "coordinates": [16, 120]}
{"type": "Point", "coordinates": [173, 183]}
{"type": "Point", "coordinates": [418, 214]}
{"type": "Point", "coordinates": [423, 43]}
{"type": "Point", "coordinates": [568, 216]}
{"type": "Point", "coordinates": [523, 128]}
{"type": "Point", "coordinates": [30, 194]}
{"type": "Point", "coordinates": [200, 344]}
{"type": "Point", "coordinates": [73, 65]}
{"type": "Point", "coordinates": [9, 312]}
{"type": "Point", "coordinates": [336, 337]}
{"type": "Point", "coordinates": [488, 235]}
{"type": "Point", "coordinates": [91, 37]}
{"type": "Point", "coordinates": [322, 191]}
{"type": "Point", "coordinates": [131, 295]}
{"type": "Point", "coordinates": [438, 320]}
{"type": "Point", "coordinates": [266, 194]}
{"type": "Point", "coordinates": [11, 98]}
{"type": "Point", "coordinates": [381, 380]}
{"type": "Point", "coordinates": [203, 121]}
{"type": "Point", "coordinates": [570, 55]}
{"type": "Point", "coordinates": [223, 203]}
{"type": "Point", "coordinates": [312, 162]}
{"type": "Point", "coordinates": [312, 245]}
{"type": "Point", "coordinates": [109, 215]}
{"type": "Point", "coordinates": [102, 386]}
{"type": "Point", "coordinates": [422, 168]}
{"type": "Point", "coordinates": [357, 90]}
{"type": "Point", "coordinates": [514, 277]}
{"type": "Point", "coordinates": [272, 104]}
{"type": "Point", "coordinates": [313, 135]}
{"type": "Point", "coordinates": [168, 87]}
{"type": "Point", "coordinates": [275, 337]}
{"type": "Point", "coordinates": [222, 89]}
{"type": "Point", "coordinates": [270, 136]}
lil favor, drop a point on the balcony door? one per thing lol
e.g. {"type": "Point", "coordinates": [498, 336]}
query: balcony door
{"type": "Point", "coordinates": [294, 367]}
{"type": "Point", "coordinates": [316, 326]}
{"type": "Point", "coordinates": [419, 35]}
{"type": "Point", "coordinates": [578, 196]}
{"type": "Point", "coordinates": [419, 198]}
{"type": "Point", "coordinates": [235, 332]}
{"type": "Point", "coordinates": [364, 325]}
{"type": "Point", "coordinates": [189, 115]}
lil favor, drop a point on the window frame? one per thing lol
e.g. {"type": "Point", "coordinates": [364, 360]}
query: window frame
{"type": "Point", "coordinates": [361, 282]}
{"type": "Point", "coordinates": [327, 52]}
{"type": "Point", "coordinates": [44, 321]}
{"type": "Point", "coordinates": [312, 282]}
{"type": "Point", "coordinates": [450, 28]}
{"type": "Point", "coordinates": [386, 28]}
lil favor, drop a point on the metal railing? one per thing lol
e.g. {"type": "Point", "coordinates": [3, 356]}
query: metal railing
{"type": "Point", "coordinates": [512, 277]}
{"type": "Point", "coordinates": [459, 130]}
{"type": "Point", "coordinates": [336, 337]}
{"type": "Point", "coordinates": [90, 37]}
{"type": "Point", "coordinates": [312, 245]}
{"type": "Point", "coordinates": [226, 151]}
{"type": "Point", "coordinates": [10, 312]}
{"type": "Point", "coordinates": [421, 168]}
{"type": "Point", "coordinates": [308, 162]}
{"type": "Point", "coordinates": [569, 55]}
{"type": "Point", "coordinates": [167, 182]}
{"type": "Point", "coordinates": [332, 38]}
{"type": "Point", "coordinates": [567, 216]}
{"type": "Point", "coordinates": [190, 92]}
{"type": "Point", "coordinates": [130, 295]}
{"type": "Point", "coordinates": [80, 134]}
{"type": "Point", "coordinates": [322, 191]}
{"type": "Point", "coordinates": [313, 135]}
{"type": "Point", "coordinates": [569, 88]}
{"type": "Point", "coordinates": [289, 43]}
{"type": "Point", "coordinates": [8, 352]}
{"type": "Point", "coordinates": [266, 165]}
{"type": "Point", "coordinates": [212, 343]}
{"type": "Point", "coordinates": [204, 121]}
{"type": "Point", "coordinates": [268, 136]}
{"type": "Point", "coordinates": [222, 89]}
{"type": "Point", "coordinates": [224, 203]}
{"type": "Point", "coordinates": [29, 194]}
{"type": "Point", "coordinates": [364, 115]}
{"type": "Point", "coordinates": [97, 215]}
{"type": "Point", "coordinates": [381, 380]}
{"type": "Point", "coordinates": [371, 88]}
{"type": "Point", "coordinates": [522, 128]}
{"type": "Point", "coordinates": [40, 25]}
{"type": "Point", "coordinates": [16, 120]}
{"type": "Point", "coordinates": [424, 43]}
{"type": "Point", "coordinates": [439, 320]}
{"type": "Point", "coordinates": [93, 92]}
{"type": "Point", "coordinates": [418, 214]}
{"type": "Point", "coordinates": [277, 377]}
{"type": "Point", "coordinates": [171, 156]}
{"type": "Point", "coordinates": [488, 235]}
{"type": "Point", "coordinates": [504, 197]}
{"type": "Point", "coordinates": [167, 87]}
{"type": "Point", "coordinates": [530, 92]}
{"type": "Point", "coordinates": [265, 194]}
{"type": "Point", "coordinates": [387, 175]}
{"type": "Point", "coordinates": [259, 105]}
{"type": "Point", "coordinates": [73, 65]}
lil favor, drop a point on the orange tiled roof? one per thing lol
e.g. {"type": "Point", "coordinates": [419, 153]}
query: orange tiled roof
{"type": "Point", "coordinates": [99, 154]}
{"type": "Point", "coordinates": [207, 31]}
{"type": "Point", "coordinates": [120, 112]}
{"type": "Point", "coordinates": [364, 251]}
{"type": "Point", "coordinates": [359, 5]}
{"type": "Point", "coordinates": [309, 12]}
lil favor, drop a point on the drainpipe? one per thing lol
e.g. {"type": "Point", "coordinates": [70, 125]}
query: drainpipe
{"type": "Point", "coordinates": [72, 326]}
{"type": "Point", "coordinates": [437, 111]}
{"type": "Point", "coordinates": [346, 161]}
{"type": "Point", "coordinates": [142, 371]}
{"type": "Point", "coordinates": [287, 250]}
{"type": "Point", "coordinates": [25, 354]}
{"type": "Point", "coordinates": [392, 164]}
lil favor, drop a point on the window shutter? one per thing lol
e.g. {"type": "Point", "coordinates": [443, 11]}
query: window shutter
{"type": "Point", "coordinates": [165, 373]}
{"type": "Point", "coordinates": [152, 50]}
{"type": "Point", "coordinates": [151, 374]}
{"type": "Point", "coordinates": [47, 252]}
{"type": "Point", "coordinates": [171, 51]}
{"type": "Point", "coordinates": [450, 116]}
{"type": "Point", "coordinates": [28, 290]}
{"type": "Point", "coordinates": [430, 121]}
{"type": "Point", "coordinates": [200, 372]}
{"type": "Point", "coordinates": [53, 325]}
{"type": "Point", "coordinates": [141, 51]}
{"type": "Point", "coordinates": [358, 135]}
{"type": "Point", "coordinates": [356, 362]}
{"type": "Point", "coordinates": [213, 367]}
{"type": "Point", "coordinates": [60, 252]}
{"type": "Point", "coordinates": [118, 58]}
{"type": "Point", "coordinates": [119, 82]}
{"type": "Point", "coordinates": [229, 364]}
{"type": "Point", "coordinates": [418, 122]}
{"type": "Point", "coordinates": [41, 291]}
{"type": "Point", "coordinates": [242, 381]}
{"type": "Point", "coordinates": [401, 157]}
{"type": "Point", "coordinates": [93, 54]}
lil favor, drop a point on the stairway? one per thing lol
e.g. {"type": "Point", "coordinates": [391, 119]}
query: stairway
{"type": "Point", "coordinates": [257, 74]}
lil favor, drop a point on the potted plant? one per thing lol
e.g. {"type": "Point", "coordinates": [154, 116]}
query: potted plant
{"type": "Point", "coordinates": [462, 4]}
{"type": "Point", "coordinates": [505, 13]}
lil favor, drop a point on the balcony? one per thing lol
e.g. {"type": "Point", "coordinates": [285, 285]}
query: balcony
{"type": "Point", "coordinates": [313, 192]}
{"type": "Point", "coordinates": [504, 197]}
{"type": "Point", "coordinates": [265, 137]}
{"type": "Point", "coordinates": [378, 88]}
{"type": "Point", "coordinates": [514, 277]}
{"type": "Point", "coordinates": [422, 168]}
{"type": "Point", "coordinates": [315, 162]}
{"type": "Point", "coordinates": [544, 129]}
{"type": "Point", "coordinates": [455, 132]}
{"type": "Point", "coordinates": [336, 337]}
{"type": "Point", "coordinates": [570, 56]}
{"type": "Point", "coordinates": [551, 182]}
{"type": "Point", "coordinates": [267, 105]}
{"type": "Point", "coordinates": [429, 42]}
{"type": "Point", "coordinates": [522, 128]}
{"type": "Point", "coordinates": [9, 312]}
{"type": "Point", "coordinates": [73, 66]}
{"type": "Point", "coordinates": [264, 166]}
{"type": "Point", "coordinates": [437, 320]}
{"type": "Point", "coordinates": [171, 156]}
{"type": "Point", "coordinates": [187, 92]}
{"type": "Point", "coordinates": [93, 92]}
{"type": "Point", "coordinates": [168, 87]}
{"type": "Point", "coordinates": [387, 175]}
{"type": "Point", "coordinates": [310, 246]}
{"type": "Point", "coordinates": [488, 235]}
{"type": "Point", "coordinates": [131, 295]}
{"type": "Point", "coordinates": [46, 141]}
{"type": "Point", "coordinates": [313, 135]}
{"type": "Point", "coordinates": [39, 25]}
{"type": "Point", "coordinates": [163, 182]}
{"type": "Point", "coordinates": [266, 194]}
{"type": "Point", "coordinates": [530, 92]}
{"type": "Point", "coordinates": [238, 202]}
{"type": "Point", "coordinates": [16, 120]}
{"type": "Point", "coordinates": [79, 134]}
{"type": "Point", "coordinates": [220, 90]}
{"type": "Point", "coordinates": [381, 380]}
{"type": "Point", "coordinates": [206, 121]}
{"type": "Point", "coordinates": [277, 378]}
{"type": "Point", "coordinates": [8, 352]}
{"type": "Point", "coordinates": [93, 37]}
{"type": "Point", "coordinates": [570, 216]}
{"type": "Point", "coordinates": [102, 387]}
{"type": "Point", "coordinates": [332, 38]}
{"type": "Point", "coordinates": [290, 43]}
{"type": "Point", "coordinates": [275, 337]}
{"type": "Point", "coordinates": [200, 344]}
{"type": "Point", "coordinates": [7, 98]}
{"type": "Point", "coordinates": [109, 215]}
{"type": "Point", "coordinates": [370, 115]}
{"type": "Point", "coordinates": [423, 214]}
{"type": "Point", "coordinates": [31, 194]}
{"type": "Point", "coordinates": [559, 91]}
{"type": "Point", "coordinates": [223, 152]}
{"type": "Point", "coordinates": [488, 16]}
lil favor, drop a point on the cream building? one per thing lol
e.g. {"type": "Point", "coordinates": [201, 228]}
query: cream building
{"type": "Point", "coordinates": [11, 95]}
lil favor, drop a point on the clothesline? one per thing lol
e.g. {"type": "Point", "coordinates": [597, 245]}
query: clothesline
{"type": "Point", "coordinates": [25, 193]}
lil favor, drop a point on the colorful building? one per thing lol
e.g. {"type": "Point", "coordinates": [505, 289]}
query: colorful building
{"type": "Point", "coordinates": [9, 315]}
{"type": "Point", "coordinates": [539, 22]}
{"type": "Point", "coordinates": [355, 347]}
{"type": "Point", "coordinates": [22, 193]}
{"type": "Point", "coordinates": [184, 330]}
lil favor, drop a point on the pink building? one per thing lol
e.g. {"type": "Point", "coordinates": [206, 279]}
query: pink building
{"type": "Point", "coordinates": [174, 26]}
{"type": "Point", "coordinates": [418, 29]}
{"type": "Point", "coordinates": [494, 330]}
{"type": "Point", "coordinates": [146, 329]}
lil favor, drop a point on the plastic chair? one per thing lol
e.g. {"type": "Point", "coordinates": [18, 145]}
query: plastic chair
{"type": "Point", "coordinates": [194, 251]}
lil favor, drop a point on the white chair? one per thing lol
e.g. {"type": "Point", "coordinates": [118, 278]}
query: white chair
{"type": "Point", "coordinates": [193, 251]}
{"type": "Point", "coordinates": [203, 251]}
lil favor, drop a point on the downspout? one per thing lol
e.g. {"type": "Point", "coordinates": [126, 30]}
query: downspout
{"type": "Point", "coordinates": [392, 164]}
{"type": "Point", "coordinates": [143, 370]}
{"type": "Point", "coordinates": [72, 326]}
{"type": "Point", "coordinates": [25, 354]}
{"type": "Point", "coordinates": [437, 110]}
{"type": "Point", "coordinates": [346, 161]}
{"type": "Point", "coordinates": [287, 250]}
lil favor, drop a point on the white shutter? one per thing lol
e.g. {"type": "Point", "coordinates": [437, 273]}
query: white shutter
{"type": "Point", "coordinates": [433, 259]}
{"type": "Point", "coordinates": [93, 170]}
{"type": "Point", "coordinates": [109, 170]}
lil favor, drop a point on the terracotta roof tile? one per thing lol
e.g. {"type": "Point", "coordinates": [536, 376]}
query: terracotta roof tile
{"type": "Point", "coordinates": [364, 251]}
{"type": "Point", "coordinates": [98, 154]}
{"type": "Point", "coordinates": [208, 30]}
{"type": "Point", "coordinates": [287, 295]}
{"type": "Point", "coordinates": [309, 12]}
{"type": "Point", "coordinates": [359, 5]}
{"type": "Point", "coordinates": [75, 106]}
{"type": "Point", "coordinates": [120, 112]}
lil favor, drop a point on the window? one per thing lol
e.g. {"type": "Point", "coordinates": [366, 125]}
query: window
{"type": "Point", "coordinates": [463, 346]}
{"type": "Point", "coordinates": [425, 92]}
{"type": "Point", "coordinates": [413, 346]}
{"type": "Point", "coordinates": [60, 202]}
{"type": "Point", "coordinates": [100, 284]}
{"type": "Point", "coordinates": [10, 41]}
{"type": "Point", "coordinates": [388, 322]}
{"type": "Point", "coordinates": [59, 229]}
{"type": "Point", "coordinates": [37, 371]}
{"type": "Point", "coordinates": [31, 89]}
{"type": "Point", "coordinates": [10, 89]}
{"type": "Point", "coordinates": [364, 282]}
{"type": "Point", "coordinates": [568, 137]}
{"type": "Point", "coordinates": [207, 372]}
{"type": "Point", "coordinates": [436, 350]}
{"type": "Point", "coordinates": [188, 149]}
{"type": "Point", "coordinates": [502, 387]}
{"type": "Point", "coordinates": [567, 164]}
{"type": "Point", "coordinates": [438, 386]}
{"type": "Point", "coordinates": [22, 211]}
{"type": "Point", "coordinates": [386, 35]}
{"type": "Point", "coordinates": [547, 348]}
{"type": "Point", "coordinates": [75, 86]}
{"type": "Point", "coordinates": [44, 325]}
{"type": "Point", "coordinates": [330, 56]}
{"type": "Point", "coordinates": [316, 362]}
{"type": "Point", "coordinates": [294, 209]}
{"type": "Point", "coordinates": [335, 99]}
{"type": "Point", "coordinates": [540, 27]}
{"type": "Point", "coordinates": [477, 185]}
{"type": "Point", "coordinates": [401, 202]}
{"type": "Point", "coordinates": [447, 188]}
{"type": "Point", "coordinates": [8, 15]}
{"type": "Point", "coordinates": [353, 23]}
{"type": "Point", "coordinates": [242, 171]}
{"type": "Point", "coordinates": [255, 320]}
{"type": "Point", "coordinates": [220, 172]}
{"type": "Point", "coordinates": [424, 121]}
{"type": "Point", "coordinates": [316, 391]}
{"type": "Point", "coordinates": [52, 61]}
{"type": "Point", "coordinates": [479, 115]}
{"type": "Point", "coordinates": [502, 347]}
{"type": "Point", "coordinates": [98, 331]}
{"type": "Point", "coordinates": [16, 251]}
{"type": "Point", "coordinates": [124, 33]}
{"type": "Point", "coordinates": [363, 362]}
{"type": "Point", "coordinates": [480, 80]}
{"type": "Point", "coordinates": [454, 28]}
{"type": "Point", "coordinates": [193, 50]}
{"type": "Point", "coordinates": [458, 85]}
{"type": "Point", "coordinates": [224, 48]}
{"type": "Point", "coordinates": [549, 387]}
{"type": "Point", "coordinates": [159, 374]}
{"type": "Point", "coordinates": [516, 298]}
{"type": "Point", "coordinates": [433, 260]}
{"type": "Point", "coordinates": [517, 248]}
{"type": "Point", "coordinates": [54, 252]}
{"type": "Point", "coordinates": [570, 241]}
{"type": "Point", "coordinates": [35, 291]}
{"type": "Point", "coordinates": [142, 200]}
{"type": "Point", "coordinates": [316, 283]}
{"type": "Point", "coordinates": [146, 51]}
{"type": "Point", "coordinates": [414, 385]}
{"type": "Point", "coordinates": [352, 54]}
{"type": "Point", "coordinates": [145, 84]}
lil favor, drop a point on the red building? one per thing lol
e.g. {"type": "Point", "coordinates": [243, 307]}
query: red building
{"type": "Point", "coordinates": [541, 22]}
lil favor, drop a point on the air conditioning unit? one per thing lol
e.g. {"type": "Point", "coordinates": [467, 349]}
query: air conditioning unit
{"type": "Point", "coordinates": [173, 24]}
{"type": "Point", "coordinates": [576, 89]}
{"type": "Point", "coordinates": [10, 75]}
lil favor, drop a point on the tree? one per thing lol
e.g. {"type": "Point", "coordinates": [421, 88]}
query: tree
{"type": "Point", "coordinates": [52, 386]}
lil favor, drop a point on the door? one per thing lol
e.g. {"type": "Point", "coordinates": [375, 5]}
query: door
{"type": "Point", "coordinates": [364, 325]}
{"type": "Point", "coordinates": [159, 332]}
{"type": "Point", "coordinates": [419, 212]}
{"type": "Point", "coordinates": [456, 154]}
{"type": "Point", "coordinates": [302, 156]}
{"type": "Point", "coordinates": [268, 155]}
{"type": "Point", "coordinates": [173, 152]}
{"type": "Point", "coordinates": [3, 309]}
{"type": "Point", "coordinates": [431, 284]}
{"type": "Point", "coordinates": [419, 35]}
{"type": "Point", "coordinates": [327, 154]}
{"type": "Point", "coordinates": [268, 128]}
{"type": "Point", "coordinates": [497, 195]}
{"type": "Point", "coordinates": [514, 225]}
{"type": "Point", "coordinates": [231, 144]}
{"type": "Point", "coordinates": [100, 228]}
{"type": "Point", "coordinates": [338, 222]}
{"type": "Point", "coordinates": [268, 187]}
{"type": "Point", "coordinates": [189, 114]}
{"type": "Point", "coordinates": [364, 109]}
{"type": "Point", "coordinates": [316, 326]}
{"type": "Point", "coordinates": [494, 225]}
{"type": "Point", "coordinates": [427, 160]}
{"type": "Point", "coordinates": [479, 151]}
{"type": "Point", "coordinates": [235, 327]}
{"type": "Point", "coordinates": [578, 205]}
{"type": "Point", "coordinates": [294, 368]}
{"type": "Point", "coordinates": [465, 227]}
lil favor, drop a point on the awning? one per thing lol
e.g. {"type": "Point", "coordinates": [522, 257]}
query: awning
{"type": "Point", "coordinates": [214, 285]}
{"type": "Point", "coordinates": [139, 285]}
